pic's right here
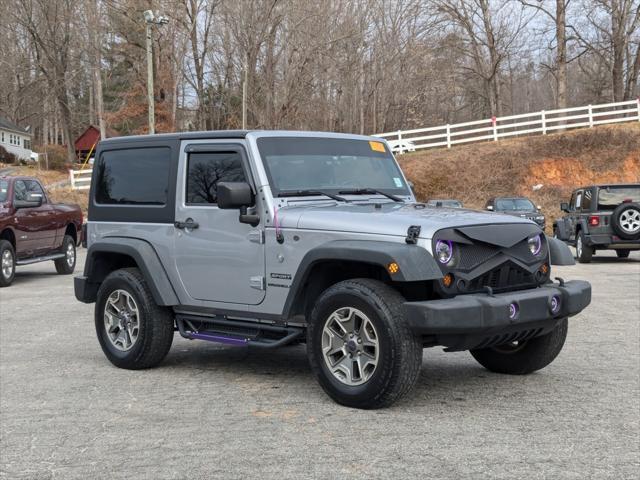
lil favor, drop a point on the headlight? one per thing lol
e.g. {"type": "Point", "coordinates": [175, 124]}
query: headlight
{"type": "Point", "coordinates": [535, 244]}
{"type": "Point", "coordinates": [540, 218]}
{"type": "Point", "coordinates": [444, 251]}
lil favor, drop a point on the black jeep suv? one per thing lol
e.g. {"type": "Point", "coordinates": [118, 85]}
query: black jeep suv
{"type": "Point", "coordinates": [518, 207]}
{"type": "Point", "coordinates": [601, 217]}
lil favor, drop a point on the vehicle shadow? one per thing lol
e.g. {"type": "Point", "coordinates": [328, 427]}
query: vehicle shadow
{"type": "Point", "coordinates": [24, 277]}
{"type": "Point", "coordinates": [443, 379]}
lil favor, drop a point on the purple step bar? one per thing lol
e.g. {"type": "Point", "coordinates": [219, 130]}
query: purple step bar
{"type": "Point", "coordinates": [219, 338]}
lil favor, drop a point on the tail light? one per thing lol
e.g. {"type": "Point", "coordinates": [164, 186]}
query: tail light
{"type": "Point", "coordinates": [594, 220]}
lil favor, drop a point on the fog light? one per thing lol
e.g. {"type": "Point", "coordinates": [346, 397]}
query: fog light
{"type": "Point", "coordinates": [554, 304]}
{"type": "Point", "coordinates": [447, 280]}
{"type": "Point", "coordinates": [513, 310]}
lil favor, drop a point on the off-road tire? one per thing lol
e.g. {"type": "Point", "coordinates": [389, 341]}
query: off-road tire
{"type": "Point", "coordinates": [534, 355]}
{"type": "Point", "coordinates": [616, 220]}
{"type": "Point", "coordinates": [156, 323]}
{"type": "Point", "coordinates": [62, 264]}
{"type": "Point", "coordinates": [584, 253]}
{"type": "Point", "coordinates": [623, 253]}
{"type": "Point", "coordinates": [400, 357]}
{"type": "Point", "coordinates": [6, 246]}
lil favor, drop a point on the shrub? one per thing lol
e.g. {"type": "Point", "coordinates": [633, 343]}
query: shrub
{"type": "Point", "coordinates": [57, 157]}
{"type": "Point", "coordinates": [6, 157]}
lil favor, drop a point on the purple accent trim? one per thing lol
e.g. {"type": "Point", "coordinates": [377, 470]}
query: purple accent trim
{"type": "Point", "coordinates": [555, 304]}
{"type": "Point", "coordinates": [449, 243]}
{"type": "Point", "coordinates": [513, 310]}
{"type": "Point", "coordinates": [219, 338]}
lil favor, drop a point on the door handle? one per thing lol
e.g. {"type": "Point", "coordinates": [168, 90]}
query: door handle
{"type": "Point", "coordinates": [188, 224]}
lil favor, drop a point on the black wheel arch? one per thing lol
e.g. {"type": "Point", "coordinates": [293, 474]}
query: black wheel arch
{"type": "Point", "coordinates": [340, 260]}
{"type": "Point", "coordinates": [111, 254]}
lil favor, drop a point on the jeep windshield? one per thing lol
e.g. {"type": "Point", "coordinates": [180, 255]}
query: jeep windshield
{"type": "Point", "coordinates": [514, 204]}
{"type": "Point", "coordinates": [610, 197]}
{"type": "Point", "coordinates": [330, 165]}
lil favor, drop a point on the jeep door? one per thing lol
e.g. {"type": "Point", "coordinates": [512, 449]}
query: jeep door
{"type": "Point", "coordinates": [220, 260]}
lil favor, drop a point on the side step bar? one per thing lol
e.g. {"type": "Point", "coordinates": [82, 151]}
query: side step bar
{"type": "Point", "coordinates": [236, 332]}
{"type": "Point", "coordinates": [29, 261]}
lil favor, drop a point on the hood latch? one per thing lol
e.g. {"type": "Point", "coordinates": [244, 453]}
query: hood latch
{"type": "Point", "coordinates": [413, 232]}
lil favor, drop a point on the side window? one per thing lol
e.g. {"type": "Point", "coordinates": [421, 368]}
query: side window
{"type": "Point", "coordinates": [578, 200]}
{"type": "Point", "coordinates": [586, 200]}
{"type": "Point", "coordinates": [572, 203]}
{"type": "Point", "coordinates": [135, 176]}
{"type": "Point", "coordinates": [34, 187]}
{"type": "Point", "coordinates": [205, 170]}
{"type": "Point", "coordinates": [19, 190]}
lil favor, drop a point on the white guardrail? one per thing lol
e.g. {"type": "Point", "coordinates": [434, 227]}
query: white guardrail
{"type": "Point", "coordinates": [502, 127]}
{"type": "Point", "coordinates": [80, 179]}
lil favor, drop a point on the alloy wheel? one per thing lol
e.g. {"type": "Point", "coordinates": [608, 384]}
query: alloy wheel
{"type": "Point", "coordinates": [70, 255]}
{"type": "Point", "coordinates": [630, 220]}
{"type": "Point", "coordinates": [350, 346]}
{"type": "Point", "coordinates": [122, 320]}
{"type": "Point", "coordinates": [7, 264]}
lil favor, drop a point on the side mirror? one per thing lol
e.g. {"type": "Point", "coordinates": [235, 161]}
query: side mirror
{"type": "Point", "coordinates": [490, 208]}
{"type": "Point", "coordinates": [232, 195]}
{"type": "Point", "coordinates": [564, 206]}
{"type": "Point", "coordinates": [32, 200]}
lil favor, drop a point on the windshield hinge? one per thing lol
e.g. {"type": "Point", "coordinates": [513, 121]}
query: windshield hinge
{"type": "Point", "coordinates": [413, 232]}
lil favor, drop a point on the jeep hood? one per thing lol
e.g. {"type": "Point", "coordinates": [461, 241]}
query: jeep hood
{"type": "Point", "coordinates": [389, 219]}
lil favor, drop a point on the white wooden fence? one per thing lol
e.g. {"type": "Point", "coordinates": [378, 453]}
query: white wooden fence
{"type": "Point", "coordinates": [80, 179]}
{"type": "Point", "coordinates": [502, 127]}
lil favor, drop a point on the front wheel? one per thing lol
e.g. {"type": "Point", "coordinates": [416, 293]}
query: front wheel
{"type": "Point", "coordinates": [67, 264]}
{"type": "Point", "coordinates": [520, 358]}
{"type": "Point", "coordinates": [133, 331]}
{"type": "Point", "coordinates": [7, 263]}
{"type": "Point", "coordinates": [359, 346]}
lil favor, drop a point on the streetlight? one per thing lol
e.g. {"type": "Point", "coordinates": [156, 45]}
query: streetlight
{"type": "Point", "coordinates": [150, 19]}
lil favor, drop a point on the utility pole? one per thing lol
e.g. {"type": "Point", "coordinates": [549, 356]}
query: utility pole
{"type": "Point", "coordinates": [151, 20]}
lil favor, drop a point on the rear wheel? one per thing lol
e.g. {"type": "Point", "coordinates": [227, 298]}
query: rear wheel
{"type": "Point", "coordinates": [622, 253]}
{"type": "Point", "coordinates": [520, 358]}
{"type": "Point", "coordinates": [359, 346]}
{"type": "Point", "coordinates": [67, 264]}
{"type": "Point", "coordinates": [7, 263]}
{"type": "Point", "coordinates": [583, 251]}
{"type": "Point", "coordinates": [133, 331]}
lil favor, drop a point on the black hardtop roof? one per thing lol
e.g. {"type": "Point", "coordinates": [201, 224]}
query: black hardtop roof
{"type": "Point", "coordinates": [605, 185]}
{"type": "Point", "coordinates": [178, 136]}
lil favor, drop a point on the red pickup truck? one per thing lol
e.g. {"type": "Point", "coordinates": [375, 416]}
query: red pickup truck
{"type": "Point", "coordinates": [32, 229]}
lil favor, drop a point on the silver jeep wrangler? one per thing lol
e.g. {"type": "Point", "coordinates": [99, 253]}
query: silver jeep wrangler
{"type": "Point", "coordinates": [265, 239]}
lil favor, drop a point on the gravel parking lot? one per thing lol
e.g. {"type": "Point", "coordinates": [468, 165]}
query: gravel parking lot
{"type": "Point", "coordinates": [212, 411]}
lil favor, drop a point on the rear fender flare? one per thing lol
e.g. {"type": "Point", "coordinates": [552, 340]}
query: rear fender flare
{"type": "Point", "coordinates": [146, 259]}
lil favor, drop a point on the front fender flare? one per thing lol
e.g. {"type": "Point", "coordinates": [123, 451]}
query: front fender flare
{"type": "Point", "coordinates": [415, 263]}
{"type": "Point", "coordinates": [559, 253]}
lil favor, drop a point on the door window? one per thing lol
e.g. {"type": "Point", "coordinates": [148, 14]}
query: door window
{"type": "Point", "coordinates": [205, 170]}
{"type": "Point", "coordinates": [22, 188]}
{"type": "Point", "coordinates": [578, 201]}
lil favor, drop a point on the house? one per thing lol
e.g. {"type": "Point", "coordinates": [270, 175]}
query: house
{"type": "Point", "coordinates": [85, 144]}
{"type": "Point", "coordinates": [15, 139]}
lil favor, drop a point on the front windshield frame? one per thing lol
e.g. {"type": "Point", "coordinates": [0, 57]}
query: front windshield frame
{"type": "Point", "coordinates": [334, 149]}
{"type": "Point", "coordinates": [519, 205]}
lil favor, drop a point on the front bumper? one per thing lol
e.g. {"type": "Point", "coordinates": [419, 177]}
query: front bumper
{"type": "Point", "coordinates": [481, 320]}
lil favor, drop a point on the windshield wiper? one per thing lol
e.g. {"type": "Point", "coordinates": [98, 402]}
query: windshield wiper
{"type": "Point", "coordinates": [311, 193]}
{"type": "Point", "coordinates": [371, 191]}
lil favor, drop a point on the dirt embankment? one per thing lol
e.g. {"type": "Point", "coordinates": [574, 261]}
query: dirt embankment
{"type": "Point", "coordinates": [555, 164]}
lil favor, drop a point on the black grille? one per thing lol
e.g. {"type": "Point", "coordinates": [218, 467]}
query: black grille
{"type": "Point", "coordinates": [473, 255]}
{"type": "Point", "coordinates": [506, 275]}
